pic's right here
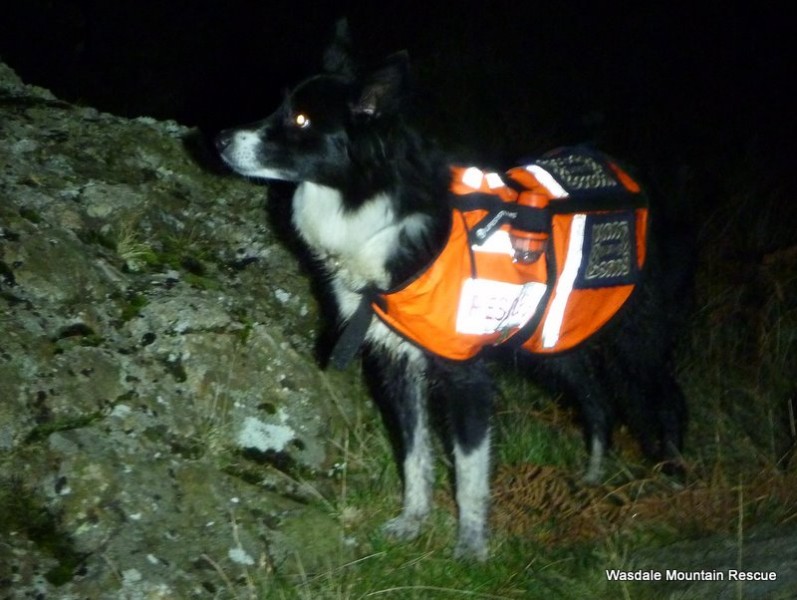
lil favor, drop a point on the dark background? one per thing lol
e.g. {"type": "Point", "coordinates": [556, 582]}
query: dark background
{"type": "Point", "coordinates": [674, 88]}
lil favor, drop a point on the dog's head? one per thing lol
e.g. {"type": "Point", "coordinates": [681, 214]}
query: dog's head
{"type": "Point", "coordinates": [329, 129]}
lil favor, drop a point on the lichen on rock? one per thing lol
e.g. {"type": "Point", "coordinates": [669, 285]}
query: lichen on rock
{"type": "Point", "coordinates": [157, 365]}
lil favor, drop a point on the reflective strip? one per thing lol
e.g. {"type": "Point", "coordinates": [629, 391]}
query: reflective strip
{"type": "Point", "coordinates": [494, 180]}
{"type": "Point", "coordinates": [472, 177]}
{"type": "Point", "coordinates": [553, 321]}
{"type": "Point", "coordinates": [547, 180]}
{"type": "Point", "coordinates": [498, 243]}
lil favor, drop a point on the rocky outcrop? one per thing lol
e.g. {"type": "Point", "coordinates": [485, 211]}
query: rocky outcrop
{"type": "Point", "coordinates": [163, 423]}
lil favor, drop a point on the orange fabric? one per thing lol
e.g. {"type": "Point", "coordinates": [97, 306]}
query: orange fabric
{"type": "Point", "coordinates": [426, 309]}
{"type": "Point", "coordinates": [624, 178]}
{"type": "Point", "coordinates": [540, 194]}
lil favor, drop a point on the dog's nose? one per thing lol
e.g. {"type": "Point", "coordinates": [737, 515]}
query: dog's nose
{"type": "Point", "coordinates": [223, 139]}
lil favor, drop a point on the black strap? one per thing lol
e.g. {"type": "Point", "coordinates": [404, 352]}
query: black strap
{"type": "Point", "coordinates": [527, 218]}
{"type": "Point", "coordinates": [353, 335]}
{"type": "Point", "coordinates": [478, 201]}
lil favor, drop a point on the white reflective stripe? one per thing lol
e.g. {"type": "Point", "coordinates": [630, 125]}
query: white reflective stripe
{"type": "Point", "coordinates": [498, 243]}
{"type": "Point", "coordinates": [546, 179]}
{"type": "Point", "coordinates": [494, 180]}
{"type": "Point", "coordinates": [553, 321]}
{"type": "Point", "coordinates": [472, 177]}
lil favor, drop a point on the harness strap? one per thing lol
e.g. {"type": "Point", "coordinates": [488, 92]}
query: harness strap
{"type": "Point", "coordinates": [354, 331]}
{"type": "Point", "coordinates": [527, 218]}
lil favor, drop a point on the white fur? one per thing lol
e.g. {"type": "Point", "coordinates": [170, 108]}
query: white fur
{"type": "Point", "coordinates": [355, 246]}
{"type": "Point", "coordinates": [241, 155]}
{"type": "Point", "coordinates": [594, 472]}
{"type": "Point", "coordinates": [418, 473]}
{"type": "Point", "coordinates": [472, 471]}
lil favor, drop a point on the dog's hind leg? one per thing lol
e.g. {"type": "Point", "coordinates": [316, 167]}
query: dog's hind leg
{"type": "Point", "coordinates": [653, 404]}
{"type": "Point", "coordinates": [469, 392]}
{"type": "Point", "coordinates": [405, 388]}
{"type": "Point", "coordinates": [581, 374]}
{"type": "Point", "coordinates": [594, 473]}
{"type": "Point", "coordinates": [673, 415]}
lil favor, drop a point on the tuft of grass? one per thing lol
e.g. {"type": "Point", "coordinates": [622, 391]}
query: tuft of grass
{"type": "Point", "coordinates": [136, 254]}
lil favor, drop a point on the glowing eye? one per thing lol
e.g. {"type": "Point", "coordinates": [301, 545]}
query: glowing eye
{"type": "Point", "coordinates": [301, 120]}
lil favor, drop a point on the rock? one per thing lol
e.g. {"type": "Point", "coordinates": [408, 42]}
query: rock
{"type": "Point", "coordinates": [164, 426]}
{"type": "Point", "coordinates": [761, 566]}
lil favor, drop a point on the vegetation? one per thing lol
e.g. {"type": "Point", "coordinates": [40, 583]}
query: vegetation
{"type": "Point", "coordinates": [553, 536]}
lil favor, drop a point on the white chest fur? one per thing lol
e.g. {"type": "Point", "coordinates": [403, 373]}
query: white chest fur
{"type": "Point", "coordinates": [354, 244]}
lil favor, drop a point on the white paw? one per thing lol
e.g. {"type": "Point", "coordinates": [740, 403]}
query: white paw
{"type": "Point", "coordinates": [471, 546]}
{"type": "Point", "coordinates": [404, 527]}
{"type": "Point", "coordinates": [593, 475]}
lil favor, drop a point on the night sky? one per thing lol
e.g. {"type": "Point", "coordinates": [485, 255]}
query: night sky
{"type": "Point", "coordinates": [697, 86]}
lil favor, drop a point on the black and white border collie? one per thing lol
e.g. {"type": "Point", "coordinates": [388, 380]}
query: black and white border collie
{"type": "Point", "coordinates": [371, 204]}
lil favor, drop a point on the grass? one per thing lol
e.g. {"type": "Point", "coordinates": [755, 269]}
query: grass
{"type": "Point", "coordinates": [553, 538]}
{"type": "Point", "coordinates": [535, 564]}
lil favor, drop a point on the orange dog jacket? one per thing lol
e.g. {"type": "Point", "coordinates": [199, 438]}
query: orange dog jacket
{"type": "Point", "coordinates": [540, 258]}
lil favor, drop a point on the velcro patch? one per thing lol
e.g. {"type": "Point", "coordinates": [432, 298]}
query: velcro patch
{"type": "Point", "coordinates": [487, 306]}
{"type": "Point", "coordinates": [579, 172]}
{"type": "Point", "coordinates": [609, 251]}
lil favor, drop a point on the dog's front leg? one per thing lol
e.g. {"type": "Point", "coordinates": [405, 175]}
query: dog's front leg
{"type": "Point", "coordinates": [472, 466]}
{"type": "Point", "coordinates": [406, 391]}
{"type": "Point", "coordinates": [469, 395]}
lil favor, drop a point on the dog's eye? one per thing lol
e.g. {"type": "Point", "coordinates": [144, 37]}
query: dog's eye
{"type": "Point", "coordinates": [301, 120]}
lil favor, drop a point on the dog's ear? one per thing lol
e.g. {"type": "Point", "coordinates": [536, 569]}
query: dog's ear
{"type": "Point", "coordinates": [384, 89]}
{"type": "Point", "coordinates": [337, 57]}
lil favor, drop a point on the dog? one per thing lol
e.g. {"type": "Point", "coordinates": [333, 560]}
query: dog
{"type": "Point", "coordinates": [373, 204]}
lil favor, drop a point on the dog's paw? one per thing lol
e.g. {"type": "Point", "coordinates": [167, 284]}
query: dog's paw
{"type": "Point", "coordinates": [404, 527]}
{"type": "Point", "coordinates": [592, 477]}
{"type": "Point", "coordinates": [472, 546]}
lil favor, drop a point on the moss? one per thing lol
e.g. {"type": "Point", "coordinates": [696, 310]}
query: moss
{"type": "Point", "coordinates": [30, 215]}
{"type": "Point", "coordinates": [243, 334]}
{"type": "Point", "coordinates": [44, 430]}
{"type": "Point", "coordinates": [22, 513]}
{"type": "Point", "coordinates": [132, 306]}
{"type": "Point", "coordinates": [96, 238]}
{"type": "Point", "coordinates": [200, 282]}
